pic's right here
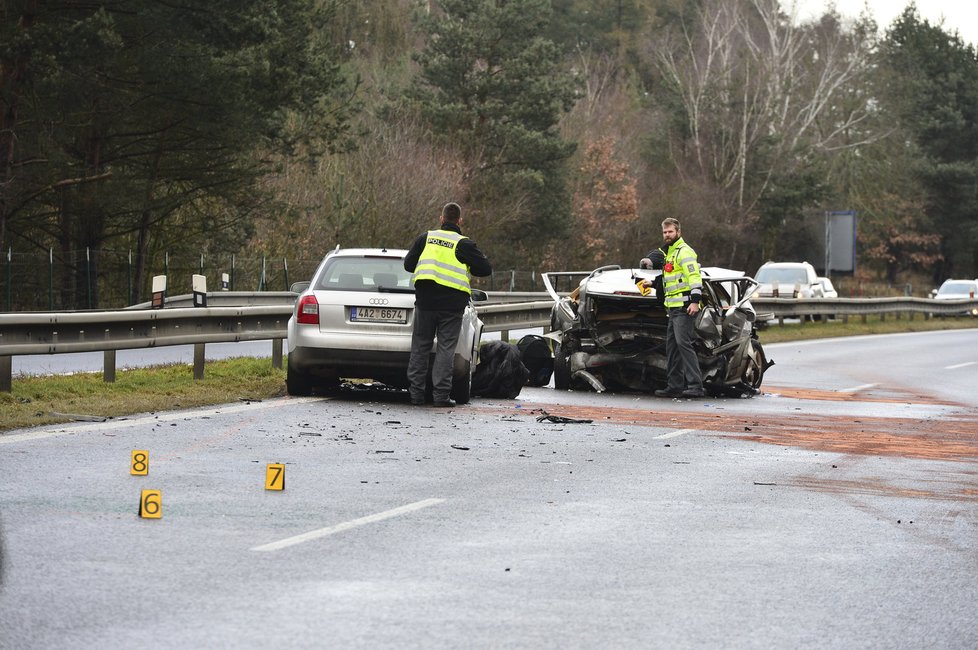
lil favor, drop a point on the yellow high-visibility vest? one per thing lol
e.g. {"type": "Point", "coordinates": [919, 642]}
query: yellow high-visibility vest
{"type": "Point", "coordinates": [438, 261]}
{"type": "Point", "coordinates": [680, 274]}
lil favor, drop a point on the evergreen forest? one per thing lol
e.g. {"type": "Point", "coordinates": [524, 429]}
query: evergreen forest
{"type": "Point", "coordinates": [143, 137]}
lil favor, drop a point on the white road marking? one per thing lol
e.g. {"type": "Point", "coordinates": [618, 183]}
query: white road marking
{"type": "Point", "coordinates": [346, 525]}
{"type": "Point", "coordinates": [67, 429]}
{"type": "Point", "coordinates": [856, 389]}
{"type": "Point", "coordinates": [960, 365]}
{"type": "Point", "coordinates": [673, 434]}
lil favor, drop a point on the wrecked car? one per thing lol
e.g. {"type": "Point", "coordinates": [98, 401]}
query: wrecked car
{"type": "Point", "coordinates": [609, 336]}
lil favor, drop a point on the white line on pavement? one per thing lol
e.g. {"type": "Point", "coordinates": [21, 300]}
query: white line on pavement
{"type": "Point", "coordinates": [346, 525]}
{"type": "Point", "coordinates": [856, 389]}
{"type": "Point", "coordinates": [673, 434]}
{"type": "Point", "coordinates": [960, 365]}
{"type": "Point", "coordinates": [65, 429]}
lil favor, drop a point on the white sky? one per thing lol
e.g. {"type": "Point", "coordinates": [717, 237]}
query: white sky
{"type": "Point", "coordinates": [958, 15]}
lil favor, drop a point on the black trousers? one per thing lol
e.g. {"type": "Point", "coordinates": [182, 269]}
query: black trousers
{"type": "Point", "coordinates": [428, 324]}
{"type": "Point", "coordinates": [684, 368]}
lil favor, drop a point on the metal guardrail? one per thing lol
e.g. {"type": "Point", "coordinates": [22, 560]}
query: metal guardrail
{"type": "Point", "coordinates": [108, 331]}
{"type": "Point", "coordinates": [801, 307]}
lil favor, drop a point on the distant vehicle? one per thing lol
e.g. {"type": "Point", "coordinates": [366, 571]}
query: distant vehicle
{"type": "Point", "coordinates": [828, 289]}
{"type": "Point", "coordinates": [354, 320]}
{"type": "Point", "coordinates": [958, 290]}
{"type": "Point", "coordinates": [787, 280]}
{"type": "Point", "coordinates": [611, 336]}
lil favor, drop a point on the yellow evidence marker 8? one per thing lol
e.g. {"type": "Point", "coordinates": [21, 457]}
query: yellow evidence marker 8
{"type": "Point", "coordinates": [275, 476]}
{"type": "Point", "coordinates": [151, 504]}
{"type": "Point", "coordinates": [139, 464]}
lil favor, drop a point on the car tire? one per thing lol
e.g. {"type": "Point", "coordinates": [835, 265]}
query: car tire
{"type": "Point", "coordinates": [754, 370]}
{"type": "Point", "coordinates": [562, 378]}
{"type": "Point", "coordinates": [297, 384]}
{"type": "Point", "coordinates": [462, 382]}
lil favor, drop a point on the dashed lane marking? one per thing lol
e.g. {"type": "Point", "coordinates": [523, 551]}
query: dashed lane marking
{"type": "Point", "coordinates": [673, 434]}
{"type": "Point", "coordinates": [960, 365]}
{"type": "Point", "coordinates": [856, 389]}
{"type": "Point", "coordinates": [346, 525]}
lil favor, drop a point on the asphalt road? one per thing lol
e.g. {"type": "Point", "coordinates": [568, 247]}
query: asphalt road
{"type": "Point", "coordinates": [837, 510]}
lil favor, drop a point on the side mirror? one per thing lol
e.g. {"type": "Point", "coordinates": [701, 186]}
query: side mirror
{"type": "Point", "coordinates": [478, 295]}
{"type": "Point", "coordinates": [299, 287]}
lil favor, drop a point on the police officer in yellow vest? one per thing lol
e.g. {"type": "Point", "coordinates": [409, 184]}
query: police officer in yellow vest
{"type": "Point", "coordinates": [442, 261]}
{"type": "Point", "coordinates": [682, 288]}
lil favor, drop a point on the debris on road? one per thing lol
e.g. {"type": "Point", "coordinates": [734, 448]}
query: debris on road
{"type": "Point", "coordinates": [559, 419]}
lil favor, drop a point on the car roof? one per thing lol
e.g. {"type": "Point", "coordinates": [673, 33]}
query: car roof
{"type": "Point", "coordinates": [785, 264]}
{"type": "Point", "coordinates": [363, 252]}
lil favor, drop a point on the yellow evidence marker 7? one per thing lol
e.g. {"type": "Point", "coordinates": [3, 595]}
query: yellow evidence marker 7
{"type": "Point", "coordinates": [139, 463]}
{"type": "Point", "coordinates": [275, 476]}
{"type": "Point", "coordinates": [151, 504]}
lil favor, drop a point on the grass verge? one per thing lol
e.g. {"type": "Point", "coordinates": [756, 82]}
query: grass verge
{"type": "Point", "coordinates": [63, 398]}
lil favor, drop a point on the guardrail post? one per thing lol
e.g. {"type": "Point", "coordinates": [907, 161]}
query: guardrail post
{"type": "Point", "coordinates": [108, 366]}
{"type": "Point", "coordinates": [504, 336]}
{"type": "Point", "coordinates": [6, 367]}
{"type": "Point", "coordinates": [276, 353]}
{"type": "Point", "coordinates": [198, 360]}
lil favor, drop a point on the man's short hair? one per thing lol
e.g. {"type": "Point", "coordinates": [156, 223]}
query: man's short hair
{"type": "Point", "coordinates": [671, 221]}
{"type": "Point", "coordinates": [451, 212]}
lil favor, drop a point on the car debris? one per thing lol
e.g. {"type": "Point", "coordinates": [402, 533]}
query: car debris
{"type": "Point", "coordinates": [559, 419]}
{"type": "Point", "coordinates": [610, 336]}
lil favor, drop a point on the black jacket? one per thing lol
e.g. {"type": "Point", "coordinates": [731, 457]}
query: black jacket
{"type": "Point", "coordinates": [436, 297]}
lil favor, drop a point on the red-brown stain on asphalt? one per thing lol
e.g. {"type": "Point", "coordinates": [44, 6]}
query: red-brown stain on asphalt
{"type": "Point", "coordinates": [946, 490]}
{"type": "Point", "coordinates": [953, 438]}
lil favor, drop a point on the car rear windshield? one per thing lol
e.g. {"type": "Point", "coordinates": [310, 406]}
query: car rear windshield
{"type": "Point", "coordinates": [772, 275]}
{"type": "Point", "coordinates": [364, 274]}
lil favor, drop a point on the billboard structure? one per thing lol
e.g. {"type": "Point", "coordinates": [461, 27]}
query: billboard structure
{"type": "Point", "coordinates": [840, 241]}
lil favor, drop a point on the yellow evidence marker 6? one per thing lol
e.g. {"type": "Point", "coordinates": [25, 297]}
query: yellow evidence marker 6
{"type": "Point", "coordinates": [151, 504]}
{"type": "Point", "coordinates": [275, 476]}
{"type": "Point", "coordinates": [139, 464]}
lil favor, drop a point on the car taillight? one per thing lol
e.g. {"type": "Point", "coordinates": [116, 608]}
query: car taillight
{"type": "Point", "coordinates": [308, 310]}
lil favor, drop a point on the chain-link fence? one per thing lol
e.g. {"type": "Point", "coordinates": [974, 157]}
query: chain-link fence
{"type": "Point", "coordinates": [106, 278]}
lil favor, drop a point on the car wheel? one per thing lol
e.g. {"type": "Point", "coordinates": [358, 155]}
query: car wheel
{"type": "Point", "coordinates": [562, 378]}
{"type": "Point", "coordinates": [462, 382]}
{"type": "Point", "coordinates": [297, 383]}
{"type": "Point", "coordinates": [756, 364]}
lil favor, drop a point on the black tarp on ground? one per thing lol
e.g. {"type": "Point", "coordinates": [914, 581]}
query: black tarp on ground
{"type": "Point", "coordinates": [500, 372]}
{"type": "Point", "coordinates": [538, 359]}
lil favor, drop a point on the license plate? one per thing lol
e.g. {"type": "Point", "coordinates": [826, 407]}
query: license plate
{"type": "Point", "coordinates": [378, 315]}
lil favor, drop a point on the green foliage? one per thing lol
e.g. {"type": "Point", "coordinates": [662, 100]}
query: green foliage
{"type": "Point", "coordinates": [136, 123]}
{"type": "Point", "coordinates": [931, 88]}
{"type": "Point", "coordinates": [491, 82]}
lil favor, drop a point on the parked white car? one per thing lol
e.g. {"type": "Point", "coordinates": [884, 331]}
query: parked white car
{"type": "Point", "coordinates": [958, 290]}
{"type": "Point", "coordinates": [828, 289]}
{"type": "Point", "coordinates": [787, 280]}
{"type": "Point", "coordinates": [354, 321]}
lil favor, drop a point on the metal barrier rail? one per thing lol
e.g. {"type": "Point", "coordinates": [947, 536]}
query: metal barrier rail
{"type": "Point", "coordinates": [800, 307]}
{"type": "Point", "coordinates": [108, 331]}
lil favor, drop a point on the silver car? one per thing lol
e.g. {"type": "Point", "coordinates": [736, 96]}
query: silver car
{"type": "Point", "coordinates": [354, 321]}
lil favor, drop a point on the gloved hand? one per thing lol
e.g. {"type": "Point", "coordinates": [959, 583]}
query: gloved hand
{"type": "Point", "coordinates": [645, 263]}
